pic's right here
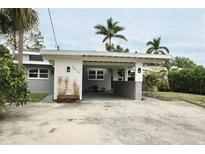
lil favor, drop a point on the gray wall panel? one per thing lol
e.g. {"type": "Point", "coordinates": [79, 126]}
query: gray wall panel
{"type": "Point", "coordinates": [128, 89]}
{"type": "Point", "coordinates": [41, 85]}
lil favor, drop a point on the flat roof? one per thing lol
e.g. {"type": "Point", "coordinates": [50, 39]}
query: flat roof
{"type": "Point", "coordinates": [35, 62]}
{"type": "Point", "coordinates": [103, 54]}
{"type": "Point", "coordinates": [26, 52]}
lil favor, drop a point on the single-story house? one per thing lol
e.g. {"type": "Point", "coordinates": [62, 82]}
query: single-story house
{"type": "Point", "coordinates": [91, 71]}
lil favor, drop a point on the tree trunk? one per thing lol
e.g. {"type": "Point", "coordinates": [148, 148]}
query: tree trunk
{"type": "Point", "coordinates": [20, 50]}
{"type": "Point", "coordinates": [110, 44]}
{"type": "Point", "coordinates": [15, 43]}
{"type": "Point", "coordinates": [109, 41]}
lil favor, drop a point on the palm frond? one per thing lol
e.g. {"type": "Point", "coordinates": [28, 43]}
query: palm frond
{"type": "Point", "coordinates": [104, 39]}
{"type": "Point", "coordinates": [150, 43]}
{"type": "Point", "coordinates": [101, 29]}
{"type": "Point", "coordinates": [115, 23]}
{"type": "Point", "coordinates": [150, 50]}
{"type": "Point", "coordinates": [161, 51]}
{"type": "Point", "coordinates": [118, 29]}
{"type": "Point", "coordinates": [164, 48]}
{"type": "Point", "coordinates": [101, 33]}
{"type": "Point", "coordinates": [110, 23]}
{"type": "Point", "coordinates": [22, 18]}
{"type": "Point", "coordinates": [121, 37]}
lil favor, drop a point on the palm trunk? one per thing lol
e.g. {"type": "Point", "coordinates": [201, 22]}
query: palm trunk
{"type": "Point", "coordinates": [109, 43]}
{"type": "Point", "coordinates": [15, 43]}
{"type": "Point", "coordinates": [20, 50]}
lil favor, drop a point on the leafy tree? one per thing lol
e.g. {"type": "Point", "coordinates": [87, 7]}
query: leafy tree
{"type": "Point", "coordinates": [156, 48]}
{"type": "Point", "coordinates": [19, 21]}
{"type": "Point", "coordinates": [13, 83]}
{"type": "Point", "coordinates": [180, 62]}
{"type": "Point", "coordinates": [110, 31]}
{"type": "Point", "coordinates": [118, 48]}
{"type": "Point", "coordinates": [33, 40]}
{"type": "Point", "coordinates": [183, 62]}
{"type": "Point", "coordinates": [168, 64]}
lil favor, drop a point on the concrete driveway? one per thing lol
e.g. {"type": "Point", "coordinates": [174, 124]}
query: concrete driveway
{"type": "Point", "coordinates": [148, 122]}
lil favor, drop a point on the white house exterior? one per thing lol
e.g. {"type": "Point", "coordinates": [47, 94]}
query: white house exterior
{"type": "Point", "coordinates": [91, 69]}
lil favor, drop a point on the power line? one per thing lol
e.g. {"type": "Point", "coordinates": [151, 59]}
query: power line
{"type": "Point", "coordinates": [49, 13]}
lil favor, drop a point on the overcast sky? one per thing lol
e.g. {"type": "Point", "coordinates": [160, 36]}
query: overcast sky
{"type": "Point", "coordinates": [181, 30]}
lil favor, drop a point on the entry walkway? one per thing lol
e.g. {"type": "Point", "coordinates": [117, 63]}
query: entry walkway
{"type": "Point", "coordinates": [48, 99]}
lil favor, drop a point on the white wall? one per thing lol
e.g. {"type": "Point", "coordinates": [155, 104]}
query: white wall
{"type": "Point", "coordinates": [75, 74]}
{"type": "Point", "coordinates": [25, 58]}
{"type": "Point", "coordinates": [138, 75]}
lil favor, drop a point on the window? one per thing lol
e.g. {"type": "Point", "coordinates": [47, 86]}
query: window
{"type": "Point", "coordinates": [121, 74]}
{"type": "Point", "coordinates": [131, 75]}
{"type": "Point", "coordinates": [92, 75]}
{"type": "Point", "coordinates": [96, 75]}
{"type": "Point", "coordinates": [43, 73]}
{"type": "Point", "coordinates": [100, 75]}
{"type": "Point", "coordinates": [35, 58]}
{"type": "Point", "coordinates": [36, 73]}
{"type": "Point", "coordinates": [33, 73]}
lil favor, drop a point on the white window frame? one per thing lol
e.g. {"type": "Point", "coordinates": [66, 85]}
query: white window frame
{"type": "Point", "coordinates": [38, 74]}
{"type": "Point", "coordinates": [96, 71]}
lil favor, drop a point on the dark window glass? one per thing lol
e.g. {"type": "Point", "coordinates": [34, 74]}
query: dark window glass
{"type": "Point", "coordinates": [43, 71]}
{"type": "Point", "coordinates": [35, 58]}
{"type": "Point", "coordinates": [91, 72]}
{"type": "Point", "coordinates": [100, 77]}
{"type": "Point", "coordinates": [33, 73]}
{"type": "Point", "coordinates": [91, 76]}
{"type": "Point", "coordinates": [100, 72]}
{"type": "Point", "coordinates": [43, 75]}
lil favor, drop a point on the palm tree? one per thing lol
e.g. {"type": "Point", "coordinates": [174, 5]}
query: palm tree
{"type": "Point", "coordinates": [156, 48]}
{"type": "Point", "coordinates": [110, 31]}
{"type": "Point", "coordinates": [19, 20]}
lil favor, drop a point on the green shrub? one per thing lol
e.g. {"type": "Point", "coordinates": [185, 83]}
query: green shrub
{"type": "Point", "coordinates": [190, 80]}
{"type": "Point", "coordinates": [13, 83]}
{"type": "Point", "coordinates": [156, 80]}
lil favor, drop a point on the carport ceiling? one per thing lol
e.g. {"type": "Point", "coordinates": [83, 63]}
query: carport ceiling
{"type": "Point", "coordinates": [108, 64]}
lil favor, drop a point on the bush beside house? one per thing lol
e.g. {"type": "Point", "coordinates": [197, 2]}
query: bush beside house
{"type": "Point", "coordinates": [156, 81]}
{"type": "Point", "coordinates": [13, 82]}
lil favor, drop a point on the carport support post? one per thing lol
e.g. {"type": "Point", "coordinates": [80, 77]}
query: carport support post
{"type": "Point", "coordinates": [126, 74]}
{"type": "Point", "coordinates": [138, 80]}
{"type": "Point", "coordinates": [115, 74]}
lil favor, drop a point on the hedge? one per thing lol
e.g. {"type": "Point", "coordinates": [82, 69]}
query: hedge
{"type": "Point", "coordinates": [190, 80]}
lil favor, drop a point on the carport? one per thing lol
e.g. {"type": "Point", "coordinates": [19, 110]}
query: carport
{"type": "Point", "coordinates": [101, 79]}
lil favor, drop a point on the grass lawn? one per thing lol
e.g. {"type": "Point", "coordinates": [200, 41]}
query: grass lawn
{"type": "Point", "coordinates": [37, 97]}
{"type": "Point", "coordinates": [175, 96]}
